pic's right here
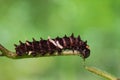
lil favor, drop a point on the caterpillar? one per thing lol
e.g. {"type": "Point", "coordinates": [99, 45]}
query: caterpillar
{"type": "Point", "coordinates": [51, 46]}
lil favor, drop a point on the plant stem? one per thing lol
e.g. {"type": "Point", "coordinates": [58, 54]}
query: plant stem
{"type": "Point", "coordinates": [6, 52]}
{"type": "Point", "coordinates": [101, 73]}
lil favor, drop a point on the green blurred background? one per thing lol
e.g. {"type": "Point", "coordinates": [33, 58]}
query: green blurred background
{"type": "Point", "coordinates": [98, 22]}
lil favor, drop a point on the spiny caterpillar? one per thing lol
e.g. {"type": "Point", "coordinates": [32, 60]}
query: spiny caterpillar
{"type": "Point", "coordinates": [51, 46]}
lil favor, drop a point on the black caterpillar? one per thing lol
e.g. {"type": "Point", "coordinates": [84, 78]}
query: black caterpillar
{"type": "Point", "coordinates": [51, 46]}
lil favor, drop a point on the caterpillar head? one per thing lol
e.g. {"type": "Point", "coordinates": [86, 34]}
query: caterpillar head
{"type": "Point", "coordinates": [84, 49]}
